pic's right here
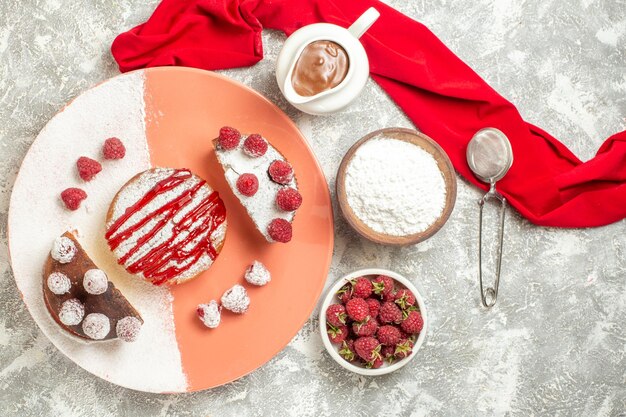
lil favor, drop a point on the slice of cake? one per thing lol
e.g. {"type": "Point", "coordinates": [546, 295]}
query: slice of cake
{"type": "Point", "coordinates": [166, 225]}
{"type": "Point", "coordinates": [263, 181]}
{"type": "Point", "coordinates": [81, 299]}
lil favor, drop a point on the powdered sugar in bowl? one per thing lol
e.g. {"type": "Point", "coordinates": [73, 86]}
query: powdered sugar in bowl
{"type": "Point", "coordinates": [396, 186]}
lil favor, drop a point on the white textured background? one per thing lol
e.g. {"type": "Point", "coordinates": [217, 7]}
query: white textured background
{"type": "Point", "coordinates": [555, 342]}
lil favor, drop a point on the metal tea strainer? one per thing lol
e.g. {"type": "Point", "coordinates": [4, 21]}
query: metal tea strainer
{"type": "Point", "coordinates": [490, 156]}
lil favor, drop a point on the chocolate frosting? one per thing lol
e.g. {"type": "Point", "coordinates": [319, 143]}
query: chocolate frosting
{"type": "Point", "coordinates": [322, 65]}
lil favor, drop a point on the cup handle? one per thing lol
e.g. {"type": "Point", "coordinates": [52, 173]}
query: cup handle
{"type": "Point", "coordinates": [367, 19]}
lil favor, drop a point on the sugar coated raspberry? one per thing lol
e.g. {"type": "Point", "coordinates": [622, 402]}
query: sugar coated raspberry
{"type": "Point", "coordinates": [229, 138]}
{"type": "Point", "coordinates": [63, 250]}
{"type": "Point", "coordinates": [96, 326]}
{"type": "Point", "coordinates": [257, 274]}
{"type": "Point", "coordinates": [210, 314]}
{"type": "Point", "coordinates": [236, 299]}
{"type": "Point", "coordinates": [288, 199]}
{"type": "Point", "coordinates": [95, 281]}
{"type": "Point", "coordinates": [128, 328]}
{"type": "Point", "coordinates": [280, 230]}
{"type": "Point", "coordinates": [113, 148]}
{"type": "Point", "coordinates": [88, 168]}
{"type": "Point", "coordinates": [72, 312]}
{"type": "Point", "coordinates": [255, 146]}
{"type": "Point", "coordinates": [248, 184]}
{"type": "Point", "coordinates": [72, 197]}
{"type": "Point", "coordinates": [59, 283]}
{"type": "Point", "coordinates": [280, 172]}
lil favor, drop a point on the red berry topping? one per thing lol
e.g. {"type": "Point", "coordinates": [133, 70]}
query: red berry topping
{"type": "Point", "coordinates": [362, 288]}
{"type": "Point", "coordinates": [388, 335]}
{"type": "Point", "coordinates": [288, 199]}
{"type": "Point", "coordinates": [383, 286]}
{"type": "Point", "coordinates": [413, 323]}
{"type": "Point", "coordinates": [337, 334]}
{"type": "Point", "coordinates": [336, 315]}
{"type": "Point", "coordinates": [347, 350]}
{"type": "Point", "coordinates": [280, 172]}
{"type": "Point", "coordinates": [229, 138]}
{"type": "Point", "coordinates": [345, 293]}
{"type": "Point", "coordinates": [404, 298]}
{"type": "Point", "coordinates": [248, 184]}
{"type": "Point", "coordinates": [403, 349]}
{"type": "Point", "coordinates": [357, 309]}
{"type": "Point", "coordinates": [88, 168]}
{"type": "Point", "coordinates": [280, 230]}
{"type": "Point", "coordinates": [374, 306]}
{"type": "Point", "coordinates": [113, 149]}
{"type": "Point", "coordinates": [368, 348]}
{"type": "Point", "coordinates": [255, 146]}
{"type": "Point", "coordinates": [365, 328]}
{"type": "Point", "coordinates": [72, 197]}
{"type": "Point", "coordinates": [390, 313]}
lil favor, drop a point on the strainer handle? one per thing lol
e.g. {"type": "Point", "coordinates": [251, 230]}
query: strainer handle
{"type": "Point", "coordinates": [489, 295]}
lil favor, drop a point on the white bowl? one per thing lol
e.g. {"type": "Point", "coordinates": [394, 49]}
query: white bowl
{"type": "Point", "coordinates": [333, 349]}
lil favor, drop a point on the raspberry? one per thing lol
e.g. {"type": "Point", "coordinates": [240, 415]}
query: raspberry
{"type": "Point", "coordinates": [337, 334]}
{"type": "Point", "coordinates": [383, 285]}
{"type": "Point", "coordinates": [336, 315]}
{"type": "Point", "coordinates": [388, 335]}
{"type": "Point", "coordinates": [390, 313]}
{"type": "Point", "coordinates": [280, 172]}
{"type": "Point", "coordinates": [113, 148]}
{"type": "Point", "coordinates": [229, 138]}
{"type": "Point", "coordinates": [387, 353]}
{"type": "Point", "coordinates": [368, 348]}
{"type": "Point", "coordinates": [72, 197]}
{"type": "Point", "coordinates": [413, 323]}
{"type": "Point", "coordinates": [345, 293]}
{"type": "Point", "coordinates": [236, 299]}
{"type": "Point", "coordinates": [255, 146]}
{"type": "Point", "coordinates": [280, 230]}
{"type": "Point", "coordinates": [374, 306]}
{"type": "Point", "coordinates": [374, 364]}
{"type": "Point", "coordinates": [404, 298]}
{"type": "Point", "coordinates": [210, 314]}
{"type": "Point", "coordinates": [365, 328]}
{"type": "Point", "coordinates": [357, 309]}
{"type": "Point", "coordinates": [389, 296]}
{"type": "Point", "coordinates": [362, 288]}
{"type": "Point", "coordinates": [128, 328]}
{"type": "Point", "coordinates": [347, 350]}
{"type": "Point", "coordinates": [247, 184]}
{"type": "Point", "coordinates": [403, 349]}
{"type": "Point", "coordinates": [88, 168]}
{"type": "Point", "coordinates": [288, 199]}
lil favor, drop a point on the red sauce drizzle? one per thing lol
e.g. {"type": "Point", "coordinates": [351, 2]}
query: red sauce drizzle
{"type": "Point", "coordinates": [154, 264]}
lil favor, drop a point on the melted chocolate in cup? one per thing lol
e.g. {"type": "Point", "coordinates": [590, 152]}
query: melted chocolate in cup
{"type": "Point", "coordinates": [322, 65]}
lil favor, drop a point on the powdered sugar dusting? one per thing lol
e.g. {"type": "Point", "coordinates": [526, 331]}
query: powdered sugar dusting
{"type": "Point", "coordinates": [261, 206]}
{"type": "Point", "coordinates": [236, 299]}
{"type": "Point", "coordinates": [37, 218]}
{"type": "Point", "coordinates": [395, 187]}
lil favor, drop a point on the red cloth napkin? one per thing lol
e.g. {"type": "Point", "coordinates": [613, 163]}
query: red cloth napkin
{"type": "Point", "coordinates": [445, 98]}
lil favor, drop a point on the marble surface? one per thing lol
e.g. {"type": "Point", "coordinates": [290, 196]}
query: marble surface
{"type": "Point", "coordinates": [555, 342]}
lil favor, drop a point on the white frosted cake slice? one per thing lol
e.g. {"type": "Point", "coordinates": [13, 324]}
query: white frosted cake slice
{"type": "Point", "coordinates": [263, 181]}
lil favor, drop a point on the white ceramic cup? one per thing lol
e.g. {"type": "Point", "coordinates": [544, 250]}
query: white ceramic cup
{"type": "Point", "coordinates": [348, 90]}
{"type": "Point", "coordinates": [331, 298]}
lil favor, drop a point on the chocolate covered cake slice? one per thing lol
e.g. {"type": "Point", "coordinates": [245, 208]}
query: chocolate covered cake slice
{"type": "Point", "coordinates": [81, 299]}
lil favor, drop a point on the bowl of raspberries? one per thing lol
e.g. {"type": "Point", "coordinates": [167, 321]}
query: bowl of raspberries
{"type": "Point", "coordinates": [373, 321]}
